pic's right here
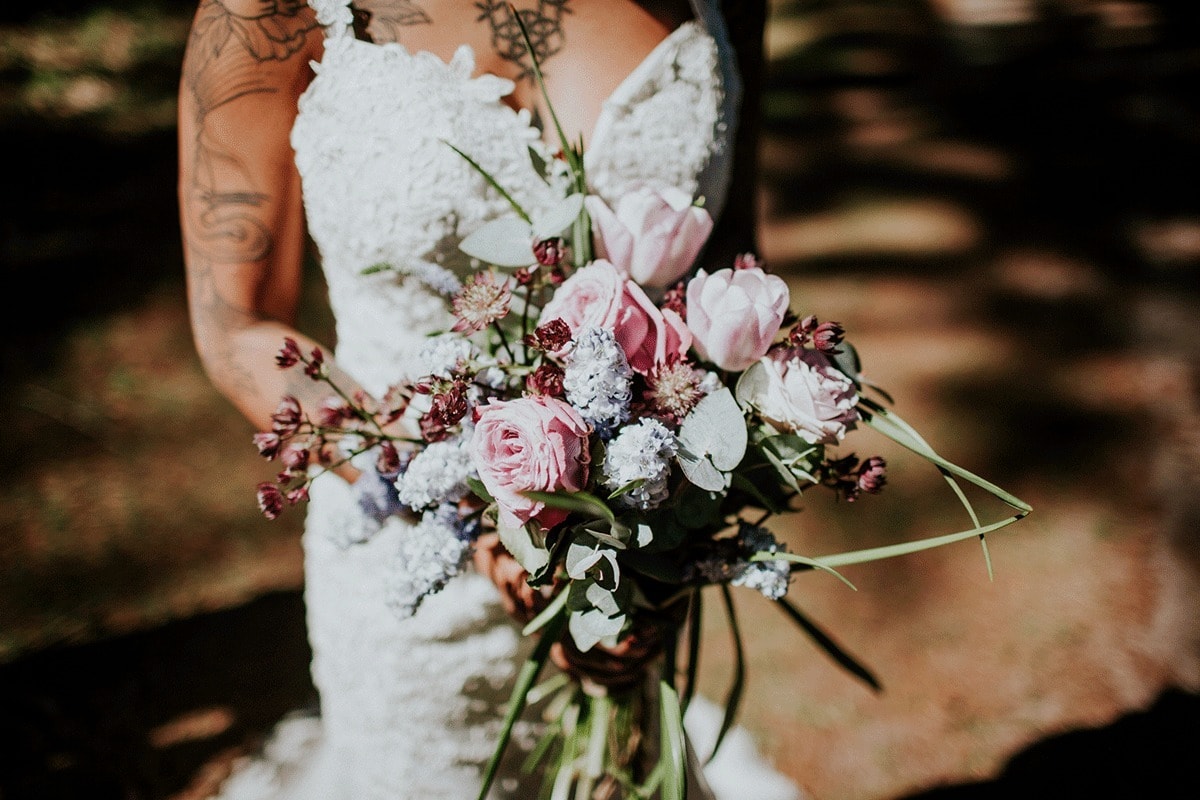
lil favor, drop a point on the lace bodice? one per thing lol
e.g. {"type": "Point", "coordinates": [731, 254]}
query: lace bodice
{"type": "Point", "coordinates": [383, 186]}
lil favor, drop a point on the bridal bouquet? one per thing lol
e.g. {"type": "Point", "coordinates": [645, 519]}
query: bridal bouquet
{"type": "Point", "coordinates": [628, 430]}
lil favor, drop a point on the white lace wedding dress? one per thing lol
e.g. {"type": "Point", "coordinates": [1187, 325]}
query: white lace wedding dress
{"type": "Point", "coordinates": [409, 708]}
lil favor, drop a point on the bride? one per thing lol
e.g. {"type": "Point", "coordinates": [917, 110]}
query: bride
{"type": "Point", "coordinates": [336, 118]}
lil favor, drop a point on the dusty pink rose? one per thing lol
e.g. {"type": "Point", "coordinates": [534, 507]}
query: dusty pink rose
{"type": "Point", "coordinates": [652, 236]}
{"type": "Point", "coordinates": [533, 444]}
{"type": "Point", "coordinates": [735, 314]}
{"type": "Point", "coordinates": [598, 296]}
{"type": "Point", "coordinates": [804, 394]}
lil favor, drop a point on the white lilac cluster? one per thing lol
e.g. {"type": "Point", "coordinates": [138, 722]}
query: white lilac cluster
{"type": "Point", "coordinates": [431, 553]}
{"type": "Point", "coordinates": [443, 354]}
{"type": "Point", "coordinates": [768, 577]}
{"type": "Point", "coordinates": [438, 474]}
{"type": "Point", "coordinates": [598, 380]}
{"type": "Point", "coordinates": [640, 452]}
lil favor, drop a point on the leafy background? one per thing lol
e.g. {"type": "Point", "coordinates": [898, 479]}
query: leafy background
{"type": "Point", "coordinates": [1004, 216]}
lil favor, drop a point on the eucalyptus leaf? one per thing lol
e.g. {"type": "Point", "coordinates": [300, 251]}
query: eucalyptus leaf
{"type": "Point", "coordinates": [505, 242]}
{"type": "Point", "coordinates": [558, 218]}
{"type": "Point", "coordinates": [520, 542]}
{"type": "Point", "coordinates": [716, 428]}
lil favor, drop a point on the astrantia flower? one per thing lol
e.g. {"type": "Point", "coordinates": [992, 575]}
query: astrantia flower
{"type": "Point", "coordinates": [674, 389]}
{"type": "Point", "coordinates": [431, 553]}
{"type": "Point", "coordinates": [640, 452]}
{"type": "Point", "coordinates": [438, 474]}
{"type": "Point", "coordinates": [598, 380]}
{"type": "Point", "coordinates": [481, 302]}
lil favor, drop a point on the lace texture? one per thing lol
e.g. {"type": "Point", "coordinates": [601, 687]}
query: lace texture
{"type": "Point", "coordinates": [410, 707]}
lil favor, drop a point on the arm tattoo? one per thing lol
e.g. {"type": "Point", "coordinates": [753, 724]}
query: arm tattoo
{"type": "Point", "coordinates": [544, 25]}
{"type": "Point", "coordinates": [222, 196]}
{"type": "Point", "coordinates": [381, 20]}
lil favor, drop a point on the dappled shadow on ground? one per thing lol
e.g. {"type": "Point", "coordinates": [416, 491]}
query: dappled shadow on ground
{"type": "Point", "coordinates": [136, 717]}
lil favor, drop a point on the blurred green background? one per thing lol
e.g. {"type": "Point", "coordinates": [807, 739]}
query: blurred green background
{"type": "Point", "coordinates": [997, 198]}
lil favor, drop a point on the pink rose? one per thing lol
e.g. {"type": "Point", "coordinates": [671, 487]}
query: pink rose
{"type": "Point", "coordinates": [806, 395]}
{"type": "Point", "coordinates": [735, 314]}
{"type": "Point", "coordinates": [533, 444]}
{"type": "Point", "coordinates": [597, 296]}
{"type": "Point", "coordinates": [653, 236]}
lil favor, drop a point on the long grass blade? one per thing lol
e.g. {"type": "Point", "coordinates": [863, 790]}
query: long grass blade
{"type": "Point", "coordinates": [734, 698]}
{"type": "Point", "coordinates": [831, 648]}
{"type": "Point", "coordinates": [487, 176]}
{"type": "Point", "coordinates": [674, 784]}
{"type": "Point", "coordinates": [548, 613]}
{"type": "Point", "coordinates": [520, 693]}
{"type": "Point", "coordinates": [905, 548]}
{"type": "Point", "coordinates": [815, 563]}
{"type": "Point", "coordinates": [694, 631]}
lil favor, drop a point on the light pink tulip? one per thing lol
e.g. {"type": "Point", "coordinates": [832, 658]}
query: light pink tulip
{"type": "Point", "coordinates": [537, 444]}
{"type": "Point", "coordinates": [652, 236]}
{"type": "Point", "coordinates": [735, 314]}
{"type": "Point", "coordinates": [598, 296]}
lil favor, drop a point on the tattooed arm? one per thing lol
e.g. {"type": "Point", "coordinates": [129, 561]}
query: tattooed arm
{"type": "Point", "coordinates": [245, 66]}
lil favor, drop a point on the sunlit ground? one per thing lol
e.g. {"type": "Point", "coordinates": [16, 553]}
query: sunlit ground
{"type": "Point", "coordinates": [1004, 230]}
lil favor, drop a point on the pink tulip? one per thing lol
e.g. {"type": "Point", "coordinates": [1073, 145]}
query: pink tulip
{"type": "Point", "coordinates": [653, 236]}
{"type": "Point", "coordinates": [735, 314]}
{"type": "Point", "coordinates": [537, 444]}
{"type": "Point", "coordinates": [598, 296]}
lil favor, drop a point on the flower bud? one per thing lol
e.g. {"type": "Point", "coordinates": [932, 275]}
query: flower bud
{"type": "Point", "coordinates": [550, 252]}
{"type": "Point", "coordinates": [747, 261]}
{"type": "Point", "coordinates": [270, 500]}
{"type": "Point", "coordinates": [268, 444]}
{"type": "Point", "coordinates": [388, 461]}
{"type": "Point", "coordinates": [297, 495]}
{"type": "Point", "coordinates": [289, 355]}
{"type": "Point", "coordinates": [546, 380]}
{"type": "Point", "coordinates": [871, 475]}
{"type": "Point", "coordinates": [827, 336]}
{"type": "Point", "coordinates": [287, 416]}
{"type": "Point", "coordinates": [315, 368]}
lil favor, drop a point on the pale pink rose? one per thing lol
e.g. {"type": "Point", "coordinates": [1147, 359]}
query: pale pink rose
{"type": "Point", "coordinates": [806, 395]}
{"type": "Point", "coordinates": [652, 236]}
{"type": "Point", "coordinates": [532, 444]}
{"type": "Point", "coordinates": [597, 296]}
{"type": "Point", "coordinates": [735, 314]}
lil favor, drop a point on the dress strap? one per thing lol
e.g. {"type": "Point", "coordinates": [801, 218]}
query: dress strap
{"type": "Point", "coordinates": [335, 17]}
{"type": "Point", "coordinates": [718, 174]}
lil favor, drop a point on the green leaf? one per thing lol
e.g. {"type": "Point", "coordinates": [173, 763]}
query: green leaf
{"type": "Point", "coordinates": [712, 440]}
{"type": "Point", "coordinates": [740, 481]}
{"type": "Point", "coordinates": [627, 488]}
{"type": "Point", "coordinates": [848, 362]}
{"type": "Point", "coordinates": [674, 782]}
{"type": "Point", "coordinates": [548, 613]}
{"type": "Point", "coordinates": [694, 633]}
{"type": "Point", "coordinates": [479, 490]}
{"type": "Point", "coordinates": [578, 502]}
{"type": "Point", "coordinates": [516, 701]}
{"type": "Point", "coordinates": [831, 648]}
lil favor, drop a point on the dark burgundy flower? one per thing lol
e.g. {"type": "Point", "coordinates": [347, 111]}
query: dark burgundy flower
{"type": "Point", "coordinates": [268, 444]}
{"type": "Point", "coordinates": [298, 495]}
{"type": "Point", "coordinates": [289, 355]}
{"type": "Point", "coordinates": [550, 252]}
{"type": "Point", "coordinates": [546, 380]}
{"type": "Point", "coordinates": [827, 336]}
{"type": "Point", "coordinates": [803, 332]}
{"type": "Point", "coordinates": [270, 500]}
{"type": "Point", "coordinates": [872, 475]}
{"type": "Point", "coordinates": [523, 276]}
{"type": "Point", "coordinates": [550, 337]}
